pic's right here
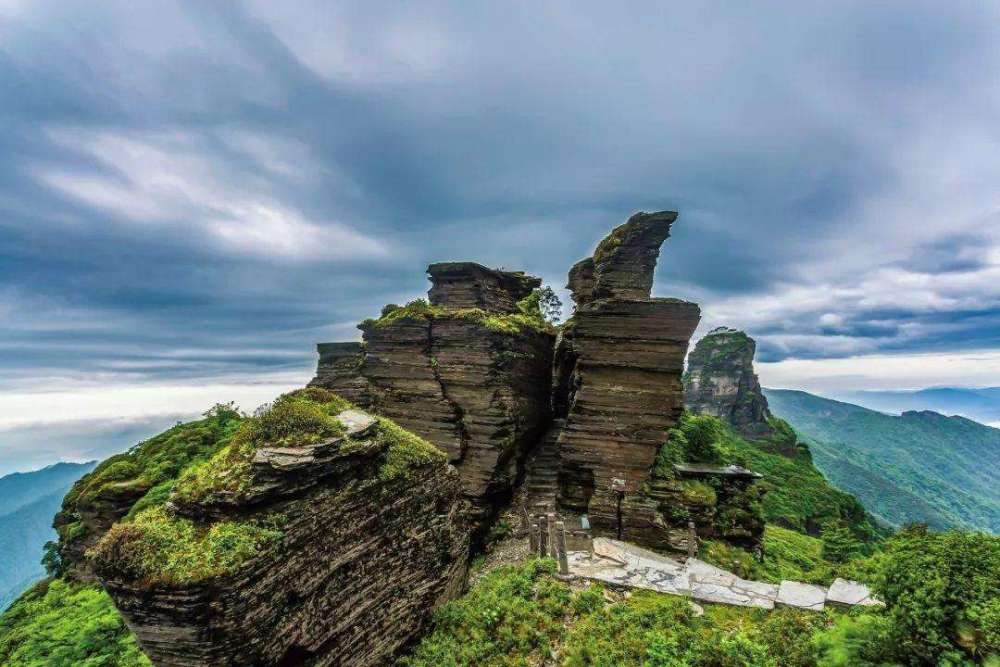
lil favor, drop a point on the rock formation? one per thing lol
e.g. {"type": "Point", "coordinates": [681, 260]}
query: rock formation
{"type": "Point", "coordinates": [365, 540]}
{"type": "Point", "coordinates": [720, 381]}
{"type": "Point", "coordinates": [617, 382]}
{"type": "Point", "coordinates": [338, 371]}
{"type": "Point", "coordinates": [463, 372]}
{"type": "Point", "coordinates": [469, 285]}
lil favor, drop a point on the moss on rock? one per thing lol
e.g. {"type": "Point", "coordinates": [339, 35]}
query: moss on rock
{"type": "Point", "coordinates": [157, 547]}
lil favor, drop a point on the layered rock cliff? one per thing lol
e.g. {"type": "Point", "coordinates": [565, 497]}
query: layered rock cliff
{"type": "Point", "coordinates": [618, 365]}
{"type": "Point", "coordinates": [720, 381]}
{"type": "Point", "coordinates": [463, 371]}
{"type": "Point", "coordinates": [319, 535]}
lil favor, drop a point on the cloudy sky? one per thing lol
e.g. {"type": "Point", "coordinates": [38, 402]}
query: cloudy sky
{"type": "Point", "coordinates": [192, 194]}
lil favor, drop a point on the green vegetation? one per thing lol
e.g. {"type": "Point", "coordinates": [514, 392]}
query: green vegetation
{"type": "Point", "coordinates": [62, 624]}
{"type": "Point", "coordinates": [942, 608]}
{"type": "Point", "coordinates": [797, 496]}
{"type": "Point", "coordinates": [159, 459]}
{"type": "Point", "coordinates": [405, 452]}
{"type": "Point", "coordinates": [529, 318]}
{"type": "Point", "coordinates": [523, 616]}
{"type": "Point", "coordinates": [295, 419]}
{"type": "Point", "coordinates": [159, 548]}
{"type": "Point", "coordinates": [29, 500]}
{"type": "Point", "coordinates": [943, 596]}
{"type": "Point", "coordinates": [695, 439]}
{"type": "Point", "coordinates": [918, 467]}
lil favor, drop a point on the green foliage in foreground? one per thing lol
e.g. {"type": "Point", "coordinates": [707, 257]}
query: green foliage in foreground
{"type": "Point", "coordinates": [943, 595]}
{"type": "Point", "coordinates": [157, 547]}
{"type": "Point", "coordinates": [60, 624]}
{"type": "Point", "coordinates": [529, 317]}
{"type": "Point", "coordinates": [522, 616]}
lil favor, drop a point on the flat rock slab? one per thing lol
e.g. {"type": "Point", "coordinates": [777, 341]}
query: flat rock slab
{"type": "Point", "coordinates": [623, 564]}
{"type": "Point", "coordinates": [356, 422]}
{"type": "Point", "coordinates": [802, 596]}
{"type": "Point", "coordinates": [846, 592]}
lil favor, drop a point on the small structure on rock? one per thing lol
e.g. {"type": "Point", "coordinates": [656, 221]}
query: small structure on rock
{"type": "Point", "coordinates": [720, 381]}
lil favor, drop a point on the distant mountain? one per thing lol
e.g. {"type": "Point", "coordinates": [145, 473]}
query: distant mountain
{"type": "Point", "coordinates": [982, 405]}
{"type": "Point", "coordinates": [919, 466]}
{"type": "Point", "coordinates": [28, 502]}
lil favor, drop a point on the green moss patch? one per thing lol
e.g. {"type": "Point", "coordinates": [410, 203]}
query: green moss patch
{"type": "Point", "coordinates": [157, 547]}
{"type": "Point", "coordinates": [405, 451]}
{"type": "Point", "coordinates": [508, 323]}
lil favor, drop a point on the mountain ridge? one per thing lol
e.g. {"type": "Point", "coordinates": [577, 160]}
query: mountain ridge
{"type": "Point", "coordinates": [941, 465]}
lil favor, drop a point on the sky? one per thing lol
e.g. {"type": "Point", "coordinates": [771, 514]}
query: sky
{"type": "Point", "coordinates": [193, 194]}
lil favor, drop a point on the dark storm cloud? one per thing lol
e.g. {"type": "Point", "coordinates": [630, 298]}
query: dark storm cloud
{"type": "Point", "coordinates": [208, 189]}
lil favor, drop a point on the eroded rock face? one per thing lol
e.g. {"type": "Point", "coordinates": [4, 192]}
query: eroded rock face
{"type": "Point", "coordinates": [623, 264]}
{"type": "Point", "coordinates": [470, 285]}
{"type": "Point", "coordinates": [721, 381]}
{"type": "Point", "coordinates": [339, 371]}
{"type": "Point", "coordinates": [617, 382]}
{"type": "Point", "coordinates": [478, 392]}
{"type": "Point", "coordinates": [479, 395]}
{"type": "Point", "coordinates": [361, 563]}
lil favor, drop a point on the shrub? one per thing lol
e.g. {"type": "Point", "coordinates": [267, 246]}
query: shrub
{"type": "Point", "coordinates": [62, 624]}
{"type": "Point", "coordinates": [941, 592]}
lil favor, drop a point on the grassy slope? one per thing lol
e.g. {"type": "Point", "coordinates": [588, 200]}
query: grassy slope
{"type": "Point", "coordinates": [916, 467]}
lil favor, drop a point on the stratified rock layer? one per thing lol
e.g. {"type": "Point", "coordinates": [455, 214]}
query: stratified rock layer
{"type": "Point", "coordinates": [478, 389]}
{"type": "Point", "coordinates": [617, 382]}
{"type": "Point", "coordinates": [339, 371]}
{"type": "Point", "coordinates": [721, 381]}
{"type": "Point", "coordinates": [361, 563]}
{"type": "Point", "coordinates": [623, 264]}
{"type": "Point", "coordinates": [480, 395]}
{"type": "Point", "coordinates": [470, 285]}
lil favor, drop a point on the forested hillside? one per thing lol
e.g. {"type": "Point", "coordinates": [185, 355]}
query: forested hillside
{"type": "Point", "coordinates": [917, 467]}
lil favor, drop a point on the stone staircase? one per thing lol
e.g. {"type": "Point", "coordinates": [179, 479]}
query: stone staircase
{"type": "Point", "coordinates": [542, 480]}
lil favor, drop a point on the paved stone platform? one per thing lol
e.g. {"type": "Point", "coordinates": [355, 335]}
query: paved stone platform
{"type": "Point", "coordinates": [622, 564]}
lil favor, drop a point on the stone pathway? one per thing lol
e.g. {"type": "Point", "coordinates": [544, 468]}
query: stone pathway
{"type": "Point", "coordinates": [623, 564]}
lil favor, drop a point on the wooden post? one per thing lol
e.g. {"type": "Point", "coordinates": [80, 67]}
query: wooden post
{"type": "Point", "coordinates": [543, 537]}
{"type": "Point", "coordinates": [561, 547]}
{"type": "Point", "coordinates": [692, 540]}
{"type": "Point", "coordinates": [533, 537]}
{"type": "Point", "coordinates": [551, 520]}
{"type": "Point", "coordinates": [525, 519]}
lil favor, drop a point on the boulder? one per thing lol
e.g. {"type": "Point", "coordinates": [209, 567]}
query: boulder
{"type": "Point", "coordinates": [362, 558]}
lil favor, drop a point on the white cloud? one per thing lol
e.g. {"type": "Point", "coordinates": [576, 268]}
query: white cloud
{"type": "Point", "coordinates": [125, 401]}
{"type": "Point", "coordinates": [169, 178]}
{"type": "Point", "coordinates": [883, 371]}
